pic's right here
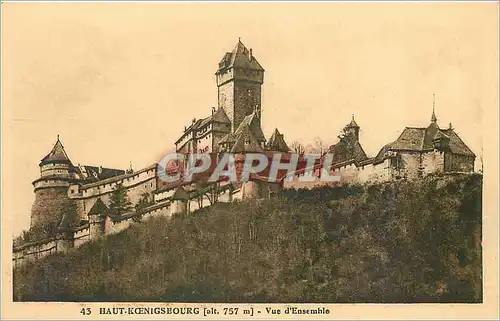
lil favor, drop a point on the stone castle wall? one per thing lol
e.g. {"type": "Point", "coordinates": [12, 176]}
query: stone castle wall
{"type": "Point", "coordinates": [433, 162]}
{"type": "Point", "coordinates": [408, 164]}
{"type": "Point", "coordinates": [247, 96]}
{"type": "Point", "coordinates": [225, 100]}
{"type": "Point", "coordinates": [50, 205]}
{"type": "Point", "coordinates": [165, 206]}
{"type": "Point", "coordinates": [96, 228]}
{"type": "Point", "coordinates": [380, 172]}
{"type": "Point", "coordinates": [137, 183]}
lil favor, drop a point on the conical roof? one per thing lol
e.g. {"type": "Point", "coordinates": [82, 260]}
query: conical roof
{"type": "Point", "coordinates": [220, 116]}
{"type": "Point", "coordinates": [98, 208]}
{"type": "Point", "coordinates": [277, 142]}
{"type": "Point", "coordinates": [433, 117]}
{"type": "Point", "coordinates": [253, 122]}
{"type": "Point", "coordinates": [353, 123]}
{"type": "Point", "coordinates": [180, 194]}
{"type": "Point", "coordinates": [57, 154]}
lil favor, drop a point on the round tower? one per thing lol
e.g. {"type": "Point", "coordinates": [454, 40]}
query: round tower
{"type": "Point", "coordinates": [51, 189]}
{"type": "Point", "coordinates": [179, 201]}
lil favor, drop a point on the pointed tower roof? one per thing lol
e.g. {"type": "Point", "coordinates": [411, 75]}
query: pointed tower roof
{"type": "Point", "coordinates": [220, 116]}
{"type": "Point", "coordinates": [277, 142]}
{"type": "Point", "coordinates": [353, 122]}
{"type": "Point", "coordinates": [99, 208]}
{"type": "Point", "coordinates": [180, 194]}
{"type": "Point", "coordinates": [57, 154]}
{"type": "Point", "coordinates": [433, 117]}
{"type": "Point", "coordinates": [240, 57]}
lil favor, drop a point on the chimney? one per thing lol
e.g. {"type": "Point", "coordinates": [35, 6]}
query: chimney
{"type": "Point", "coordinates": [213, 110]}
{"type": "Point", "coordinates": [100, 169]}
{"type": "Point", "coordinates": [251, 54]}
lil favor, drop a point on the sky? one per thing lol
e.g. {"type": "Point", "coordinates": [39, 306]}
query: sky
{"type": "Point", "coordinates": [119, 81]}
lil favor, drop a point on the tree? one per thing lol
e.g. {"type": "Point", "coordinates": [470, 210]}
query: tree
{"type": "Point", "coordinates": [119, 201]}
{"type": "Point", "coordinates": [481, 159]}
{"type": "Point", "coordinates": [343, 133]}
{"type": "Point", "coordinates": [212, 192]}
{"type": "Point", "coordinates": [297, 147]}
{"type": "Point", "coordinates": [144, 202]}
{"type": "Point", "coordinates": [317, 148]}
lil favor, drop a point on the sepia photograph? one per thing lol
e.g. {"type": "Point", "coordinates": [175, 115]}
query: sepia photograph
{"type": "Point", "coordinates": [249, 160]}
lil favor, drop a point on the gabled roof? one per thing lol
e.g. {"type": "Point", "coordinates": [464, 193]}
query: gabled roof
{"type": "Point", "coordinates": [422, 139]}
{"type": "Point", "coordinates": [251, 121]}
{"type": "Point", "coordinates": [57, 154]}
{"type": "Point", "coordinates": [382, 154]}
{"type": "Point", "coordinates": [412, 138]}
{"type": "Point", "coordinates": [219, 116]}
{"type": "Point", "coordinates": [246, 142]}
{"type": "Point", "coordinates": [240, 57]}
{"type": "Point", "coordinates": [98, 208]}
{"type": "Point", "coordinates": [456, 144]}
{"type": "Point", "coordinates": [96, 173]}
{"type": "Point", "coordinates": [277, 142]}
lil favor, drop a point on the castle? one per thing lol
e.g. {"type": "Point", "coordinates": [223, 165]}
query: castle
{"type": "Point", "coordinates": [72, 201]}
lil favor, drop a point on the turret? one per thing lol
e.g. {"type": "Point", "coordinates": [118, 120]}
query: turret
{"type": "Point", "coordinates": [55, 168]}
{"type": "Point", "coordinates": [179, 201]}
{"type": "Point", "coordinates": [353, 128]}
{"type": "Point", "coordinates": [433, 116]}
{"type": "Point", "coordinates": [97, 219]}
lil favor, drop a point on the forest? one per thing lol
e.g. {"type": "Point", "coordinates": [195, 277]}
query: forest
{"type": "Point", "coordinates": [396, 242]}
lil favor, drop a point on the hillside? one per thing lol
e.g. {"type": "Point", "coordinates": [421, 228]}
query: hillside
{"type": "Point", "coordinates": [396, 242]}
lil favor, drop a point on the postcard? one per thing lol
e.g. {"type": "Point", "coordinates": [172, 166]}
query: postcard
{"type": "Point", "coordinates": [253, 160]}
